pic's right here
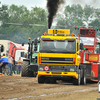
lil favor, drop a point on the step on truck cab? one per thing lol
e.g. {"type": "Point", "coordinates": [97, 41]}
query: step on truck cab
{"type": "Point", "coordinates": [58, 57]}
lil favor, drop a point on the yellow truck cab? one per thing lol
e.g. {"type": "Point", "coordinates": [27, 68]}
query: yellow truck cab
{"type": "Point", "coordinates": [58, 57]}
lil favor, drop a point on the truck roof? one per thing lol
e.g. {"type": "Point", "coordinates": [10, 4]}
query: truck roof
{"type": "Point", "coordinates": [86, 32]}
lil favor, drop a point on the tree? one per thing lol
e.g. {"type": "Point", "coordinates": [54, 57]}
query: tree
{"type": "Point", "coordinates": [76, 15]}
{"type": "Point", "coordinates": [88, 14]}
{"type": "Point", "coordinates": [4, 14]}
{"type": "Point", "coordinates": [3, 18]}
{"type": "Point", "coordinates": [21, 15]}
{"type": "Point", "coordinates": [72, 17]}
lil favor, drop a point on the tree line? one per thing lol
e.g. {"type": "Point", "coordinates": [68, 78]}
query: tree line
{"type": "Point", "coordinates": [74, 15]}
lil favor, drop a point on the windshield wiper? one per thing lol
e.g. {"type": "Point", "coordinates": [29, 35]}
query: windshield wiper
{"type": "Point", "coordinates": [63, 51]}
{"type": "Point", "coordinates": [68, 51]}
{"type": "Point", "coordinates": [47, 51]}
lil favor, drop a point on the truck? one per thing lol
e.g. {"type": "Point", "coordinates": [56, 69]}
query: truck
{"type": "Point", "coordinates": [30, 66]}
{"type": "Point", "coordinates": [59, 57]}
{"type": "Point", "coordinates": [16, 50]}
{"type": "Point", "coordinates": [89, 54]}
{"type": "Point", "coordinates": [6, 44]}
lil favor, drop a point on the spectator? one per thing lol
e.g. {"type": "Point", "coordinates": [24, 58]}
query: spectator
{"type": "Point", "coordinates": [3, 63]}
{"type": "Point", "coordinates": [19, 65]}
{"type": "Point", "coordinates": [14, 66]}
{"type": "Point", "coordinates": [10, 59]}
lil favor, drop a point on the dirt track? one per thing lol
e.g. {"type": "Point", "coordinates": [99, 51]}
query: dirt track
{"type": "Point", "coordinates": [27, 88]}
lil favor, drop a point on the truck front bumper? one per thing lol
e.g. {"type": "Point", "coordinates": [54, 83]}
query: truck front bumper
{"type": "Point", "coordinates": [57, 73]}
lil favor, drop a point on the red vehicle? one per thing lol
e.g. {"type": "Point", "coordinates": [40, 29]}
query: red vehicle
{"type": "Point", "coordinates": [16, 51]}
{"type": "Point", "coordinates": [89, 58]}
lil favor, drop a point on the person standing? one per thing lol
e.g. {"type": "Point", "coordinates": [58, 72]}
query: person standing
{"type": "Point", "coordinates": [3, 63]}
{"type": "Point", "coordinates": [19, 65]}
{"type": "Point", "coordinates": [14, 66]}
{"type": "Point", "coordinates": [10, 59]}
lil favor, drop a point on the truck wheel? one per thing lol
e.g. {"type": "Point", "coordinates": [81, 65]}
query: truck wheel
{"type": "Point", "coordinates": [52, 81]}
{"type": "Point", "coordinates": [25, 71]}
{"type": "Point", "coordinates": [83, 79]}
{"type": "Point", "coordinates": [41, 79]}
{"type": "Point", "coordinates": [47, 80]}
{"type": "Point", "coordinates": [77, 81]}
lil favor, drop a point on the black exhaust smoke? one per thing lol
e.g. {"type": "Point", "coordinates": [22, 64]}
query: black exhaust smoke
{"type": "Point", "coordinates": [52, 6]}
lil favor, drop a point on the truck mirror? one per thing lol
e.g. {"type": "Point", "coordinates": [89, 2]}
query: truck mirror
{"type": "Point", "coordinates": [81, 46]}
{"type": "Point", "coordinates": [35, 47]}
{"type": "Point", "coordinates": [35, 41]}
{"type": "Point", "coordinates": [2, 48]}
{"type": "Point", "coordinates": [35, 44]}
{"type": "Point", "coordinates": [22, 44]}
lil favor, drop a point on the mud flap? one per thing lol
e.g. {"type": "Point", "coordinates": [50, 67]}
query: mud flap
{"type": "Point", "coordinates": [99, 73]}
{"type": "Point", "coordinates": [82, 66]}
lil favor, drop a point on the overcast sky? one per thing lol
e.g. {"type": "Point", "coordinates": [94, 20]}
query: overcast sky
{"type": "Point", "coordinates": [42, 3]}
{"type": "Point", "coordinates": [27, 3]}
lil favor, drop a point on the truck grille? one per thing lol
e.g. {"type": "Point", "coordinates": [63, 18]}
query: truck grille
{"type": "Point", "coordinates": [55, 73]}
{"type": "Point", "coordinates": [54, 60]}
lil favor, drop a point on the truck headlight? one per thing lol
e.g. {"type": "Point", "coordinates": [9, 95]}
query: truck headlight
{"type": "Point", "coordinates": [41, 69]}
{"type": "Point", "coordinates": [72, 70]}
{"type": "Point", "coordinates": [33, 57]}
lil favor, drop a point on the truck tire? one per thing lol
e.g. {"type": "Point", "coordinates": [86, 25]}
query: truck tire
{"type": "Point", "coordinates": [41, 79]}
{"type": "Point", "coordinates": [77, 81]}
{"type": "Point", "coordinates": [47, 80]}
{"type": "Point", "coordinates": [52, 81]}
{"type": "Point", "coordinates": [83, 79]}
{"type": "Point", "coordinates": [25, 71]}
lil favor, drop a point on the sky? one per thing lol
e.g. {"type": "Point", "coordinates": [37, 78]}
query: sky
{"type": "Point", "coordinates": [27, 3]}
{"type": "Point", "coordinates": [42, 3]}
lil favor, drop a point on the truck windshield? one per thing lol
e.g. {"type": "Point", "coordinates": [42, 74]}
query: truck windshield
{"type": "Point", "coordinates": [58, 46]}
{"type": "Point", "coordinates": [24, 54]}
{"type": "Point", "coordinates": [87, 40]}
